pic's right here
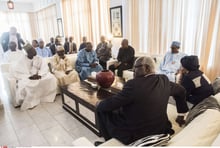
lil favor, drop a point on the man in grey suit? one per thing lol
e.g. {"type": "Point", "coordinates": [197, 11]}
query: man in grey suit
{"type": "Point", "coordinates": [11, 36]}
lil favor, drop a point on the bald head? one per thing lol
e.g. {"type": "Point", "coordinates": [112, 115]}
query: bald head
{"type": "Point", "coordinates": [144, 66]}
{"type": "Point", "coordinates": [102, 39]}
{"type": "Point", "coordinates": [124, 43]}
{"type": "Point", "coordinates": [12, 46]}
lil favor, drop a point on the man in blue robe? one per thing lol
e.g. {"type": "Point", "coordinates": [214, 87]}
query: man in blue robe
{"type": "Point", "coordinates": [42, 50]}
{"type": "Point", "coordinates": [87, 62]}
{"type": "Point", "coordinates": [171, 62]}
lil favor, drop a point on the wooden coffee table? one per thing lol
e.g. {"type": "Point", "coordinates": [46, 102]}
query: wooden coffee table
{"type": "Point", "coordinates": [80, 98]}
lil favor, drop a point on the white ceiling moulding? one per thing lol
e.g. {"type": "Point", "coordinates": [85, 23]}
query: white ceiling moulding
{"type": "Point", "coordinates": [41, 4]}
{"type": "Point", "coordinates": [27, 5]}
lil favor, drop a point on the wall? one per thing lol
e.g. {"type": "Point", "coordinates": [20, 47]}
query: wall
{"type": "Point", "coordinates": [116, 42]}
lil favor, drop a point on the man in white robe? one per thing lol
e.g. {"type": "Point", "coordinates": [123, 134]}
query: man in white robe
{"type": "Point", "coordinates": [34, 82]}
{"type": "Point", "coordinates": [62, 68]}
{"type": "Point", "coordinates": [171, 62]}
{"type": "Point", "coordinates": [12, 55]}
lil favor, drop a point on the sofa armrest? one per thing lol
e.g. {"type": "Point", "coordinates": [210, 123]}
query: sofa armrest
{"type": "Point", "coordinates": [110, 62]}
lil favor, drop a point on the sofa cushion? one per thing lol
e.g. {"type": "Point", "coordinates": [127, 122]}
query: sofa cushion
{"type": "Point", "coordinates": [202, 131]}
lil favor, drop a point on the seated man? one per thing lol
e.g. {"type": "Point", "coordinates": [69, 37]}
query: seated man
{"type": "Point", "coordinates": [197, 85]}
{"type": "Point", "coordinates": [51, 42]}
{"type": "Point", "coordinates": [87, 62]}
{"type": "Point", "coordinates": [171, 62]}
{"type": "Point", "coordinates": [125, 58]}
{"type": "Point", "coordinates": [58, 40]}
{"type": "Point", "coordinates": [83, 44]}
{"type": "Point", "coordinates": [62, 68]}
{"type": "Point", "coordinates": [12, 55]}
{"type": "Point", "coordinates": [70, 47]}
{"type": "Point", "coordinates": [140, 109]}
{"type": "Point", "coordinates": [35, 44]}
{"type": "Point", "coordinates": [34, 82]}
{"type": "Point", "coordinates": [103, 51]}
{"type": "Point", "coordinates": [43, 51]}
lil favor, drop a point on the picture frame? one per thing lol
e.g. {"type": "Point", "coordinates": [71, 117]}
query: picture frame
{"type": "Point", "coordinates": [116, 21]}
{"type": "Point", "coordinates": [60, 27]}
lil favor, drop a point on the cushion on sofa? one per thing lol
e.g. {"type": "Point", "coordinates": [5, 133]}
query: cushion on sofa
{"type": "Point", "coordinates": [202, 131]}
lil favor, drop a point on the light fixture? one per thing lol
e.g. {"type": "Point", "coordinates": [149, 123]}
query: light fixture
{"type": "Point", "coordinates": [10, 4]}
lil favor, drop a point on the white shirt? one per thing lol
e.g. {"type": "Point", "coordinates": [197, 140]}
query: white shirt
{"type": "Point", "coordinates": [13, 38]}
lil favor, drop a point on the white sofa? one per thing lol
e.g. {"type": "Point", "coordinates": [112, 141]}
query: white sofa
{"type": "Point", "coordinates": [204, 130]}
{"type": "Point", "coordinates": [10, 83]}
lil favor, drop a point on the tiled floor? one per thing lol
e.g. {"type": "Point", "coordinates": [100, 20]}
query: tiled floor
{"type": "Point", "coordinates": [48, 124]}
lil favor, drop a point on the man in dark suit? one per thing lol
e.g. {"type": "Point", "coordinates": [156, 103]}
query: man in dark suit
{"type": "Point", "coordinates": [125, 58]}
{"type": "Point", "coordinates": [57, 43]}
{"type": "Point", "coordinates": [51, 42]}
{"type": "Point", "coordinates": [11, 36]}
{"type": "Point", "coordinates": [70, 46]}
{"type": "Point", "coordinates": [83, 44]}
{"type": "Point", "coordinates": [140, 109]}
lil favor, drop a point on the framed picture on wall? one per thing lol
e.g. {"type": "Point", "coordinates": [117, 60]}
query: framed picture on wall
{"type": "Point", "coordinates": [116, 21]}
{"type": "Point", "coordinates": [60, 27]}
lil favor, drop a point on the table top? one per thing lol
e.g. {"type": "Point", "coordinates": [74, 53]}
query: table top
{"type": "Point", "coordinates": [86, 93]}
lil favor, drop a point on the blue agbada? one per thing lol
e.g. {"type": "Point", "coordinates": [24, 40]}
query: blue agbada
{"type": "Point", "coordinates": [43, 52]}
{"type": "Point", "coordinates": [84, 59]}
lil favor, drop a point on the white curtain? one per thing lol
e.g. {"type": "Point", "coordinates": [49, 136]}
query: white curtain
{"type": "Point", "coordinates": [44, 23]}
{"type": "Point", "coordinates": [154, 24]}
{"type": "Point", "coordinates": [86, 18]}
{"type": "Point", "coordinates": [19, 20]}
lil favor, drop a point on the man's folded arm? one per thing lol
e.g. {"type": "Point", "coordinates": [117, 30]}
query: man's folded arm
{"type": "Point", "coordinates": [115, 102]}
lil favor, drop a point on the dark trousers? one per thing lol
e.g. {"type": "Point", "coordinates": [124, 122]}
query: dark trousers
{"type": "Point", "coordinates": [180, 100]}
{"type": "Point", "coordinates": [120, 68]}
{"type": "Point", "coordinates": [103, 64]}
{"type": "Point", "coordinates": [111, 125]}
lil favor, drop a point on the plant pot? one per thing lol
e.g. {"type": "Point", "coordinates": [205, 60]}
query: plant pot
{"type": "Point", "coordinates": [105, 78]}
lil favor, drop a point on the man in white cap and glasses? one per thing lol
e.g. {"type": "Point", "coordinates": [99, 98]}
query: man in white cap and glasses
{"type": "Point", "coordinates": [171, 62]}
{"type": "Point", "coordinates": [34, 82]}
{"type": "Point", "coordinates": [42, 50]}
{"type": "Point", "coordinates": [62, 68]}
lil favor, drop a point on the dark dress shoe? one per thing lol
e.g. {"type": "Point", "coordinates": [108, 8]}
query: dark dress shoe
{"type": "Point", "coordinates": [97, 143]}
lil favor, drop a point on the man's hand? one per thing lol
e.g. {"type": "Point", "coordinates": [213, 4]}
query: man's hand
{"type": "Point", "coordinates": [93, 65]}
{"type": "Point", "coordinates": [35, 77]}
{"type": "Point", "coordinates": [117, 64]}
{"type": "Point", "coordinates": [67, 72]}
{"type": "Point", "coordinates": [97, 103]}
{"type": "Point", "coordinates": [180, 120]}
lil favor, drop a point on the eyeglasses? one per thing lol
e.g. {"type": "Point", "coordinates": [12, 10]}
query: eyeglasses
{"type": "Point", "coordinates": [139, 66]}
